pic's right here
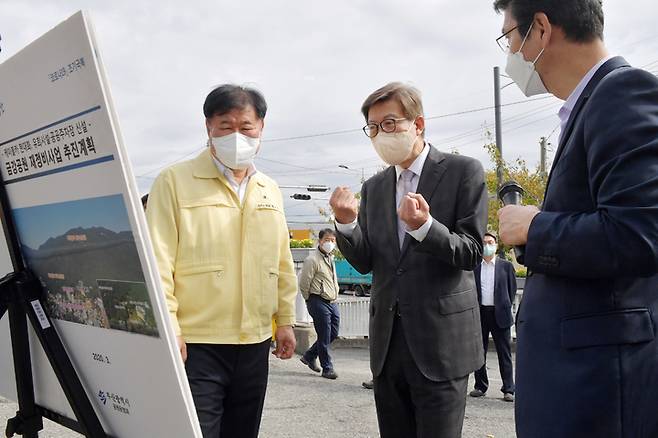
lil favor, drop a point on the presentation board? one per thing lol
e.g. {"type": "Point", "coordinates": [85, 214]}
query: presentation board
{"type": "Point", "coordinates": [83, 234]}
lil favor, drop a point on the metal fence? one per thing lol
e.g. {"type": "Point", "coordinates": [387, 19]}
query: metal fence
{"type": "Point", "coordinates": [353, 317]}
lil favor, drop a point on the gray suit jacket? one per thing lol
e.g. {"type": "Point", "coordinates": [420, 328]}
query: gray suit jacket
{"type": "Point", "coordinates": [432, 281]}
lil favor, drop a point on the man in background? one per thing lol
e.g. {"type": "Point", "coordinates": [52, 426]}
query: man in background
{"type": "Point", "coordinates": [319, 286]}
{"type": "Point", "coordinates": [495, 279]}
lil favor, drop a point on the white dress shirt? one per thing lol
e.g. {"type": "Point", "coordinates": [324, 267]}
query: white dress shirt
{"type": "Point", "coordinates": [487, 281]}
{"type": "Point", "coordinates": [570, 103]}
{"type": "Point", "coordinates": [417, 168]}
{"type": "Point", "coordinates": [239, 189]}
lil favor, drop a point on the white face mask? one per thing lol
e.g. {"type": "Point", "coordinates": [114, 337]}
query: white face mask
{"type": "Point", "coordinates": [328, 247]}
{"type": "Point", "coordinates": [395, 147]}
{"type": "Point", "coordinates": [524, 73]}
{"type": "Point", "coordinates": [235, 151]}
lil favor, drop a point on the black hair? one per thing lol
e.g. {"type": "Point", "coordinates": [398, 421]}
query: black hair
{"type": "Point", "coordinates": [325, 232]}
{"type": "Point", "coordinates": [581, 20]}
{"type": "Point", "coordinates": [228, 97]}
{"type": "Point", "coordinates": [491, 235]}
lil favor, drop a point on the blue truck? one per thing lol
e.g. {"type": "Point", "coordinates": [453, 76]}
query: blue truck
{"type": "Point", "coordinates": [351, 279]}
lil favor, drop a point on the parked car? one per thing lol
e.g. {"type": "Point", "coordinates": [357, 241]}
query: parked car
{"type": "Point", "coordinates": [351, 279]}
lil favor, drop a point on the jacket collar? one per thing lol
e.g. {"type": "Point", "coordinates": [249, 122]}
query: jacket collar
{"type": "Point", "coordinates": [203, 166]}
{"type": "Point", "coordinates": [601, 73]}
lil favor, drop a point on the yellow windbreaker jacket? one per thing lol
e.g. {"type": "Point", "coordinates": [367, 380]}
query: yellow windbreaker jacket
{"type": "Point", "coordinates": [226, 268]}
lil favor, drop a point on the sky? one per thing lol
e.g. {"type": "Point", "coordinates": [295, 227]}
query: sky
{"type": "Point", "coordinates": [38, 224]}
{"type": "Point", "coordinates": [315, 63]}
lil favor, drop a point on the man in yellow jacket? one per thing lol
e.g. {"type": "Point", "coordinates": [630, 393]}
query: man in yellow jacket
{"type": "Point", "coordinates": [221, 242]}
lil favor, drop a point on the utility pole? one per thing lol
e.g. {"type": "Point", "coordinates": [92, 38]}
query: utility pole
{"type": "Point", "coordinates": [499, 133]}
{"type": "Point", "coordinates": [542, 151]}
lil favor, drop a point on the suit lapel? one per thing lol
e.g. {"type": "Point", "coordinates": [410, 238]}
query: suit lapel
{"type": "Point", "coordinates": [430, 177]}
{"type": "Point", "coordinates": [432, 173]}
{"type": "Point", "coordinates": [601, 73]}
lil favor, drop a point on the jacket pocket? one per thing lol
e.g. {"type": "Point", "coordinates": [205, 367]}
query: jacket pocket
{"type": "Point", "coordinates": [457, 302]}
{"type": "Point", "coordinates": [199, 291]}
{"type": "Point", "coordinates": [270, 290]}
{"type": "Point", "coordinates": [199, 269]}
{"type": "Point", "coordinates": [207, 201]}
{"type": "Point", "coordinates": [624, 326]}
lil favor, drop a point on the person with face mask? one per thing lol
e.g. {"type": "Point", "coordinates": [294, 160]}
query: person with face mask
{"type": "Point", "coordinates": [221, 242]}
{"type": "Point", "coordinates": [319, 287]}
{"type": "Point", "coordinates": [587, 346]}
{"type": "Point", "coordinates": [495, 279]}
{"type": "Point", "coordinates": [419, 230]}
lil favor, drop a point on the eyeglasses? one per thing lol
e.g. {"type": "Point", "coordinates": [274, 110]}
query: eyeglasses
{"type": "Point", "coordinates": [503, 40]}
{"type": "Point", "coordinates": [387, 125]}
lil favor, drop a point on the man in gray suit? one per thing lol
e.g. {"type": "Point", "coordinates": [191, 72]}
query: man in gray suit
{"type": "Point", "coordinates": [419, 230]}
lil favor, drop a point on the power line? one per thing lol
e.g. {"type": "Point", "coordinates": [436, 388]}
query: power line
{"type": "Point", "coordinates": [553, 131]}
{"type": "Point", "coordinates": [505, 131]}
{"type": "Point", "coordinates": [442, 142]}
{"type": "Point", "coordinates": [345, 131]}
{"type": "Point", "coordinates": [515, 118]}
{"type": "Point", "coordinates": [487, 108]}
{"type": "Point", "coordinates": [442, 116]}
{"type": "Point", "coordinates": [172, 162]}
{"type": "Point", "coordinates": [300, 167]}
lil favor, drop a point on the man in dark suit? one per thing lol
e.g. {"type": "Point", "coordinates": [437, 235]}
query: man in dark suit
{"type": "Point", "coordinates": [587, 353]}
{"type": "Point", "coordinates": [495, 279]}
{"type": "Point", "coordinates": [419, 231]}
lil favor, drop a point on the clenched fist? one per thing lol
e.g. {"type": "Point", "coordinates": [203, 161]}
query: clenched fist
{"type": "Point", "coordinates": [344, 204]}
{"type": "Point", "coordinates": [514, 223]}
{"type": "Point", "coordinates": [414, 210]}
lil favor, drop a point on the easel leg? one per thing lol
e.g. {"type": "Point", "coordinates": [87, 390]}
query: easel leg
{"type": "Point", "coordinates": [27, 421]}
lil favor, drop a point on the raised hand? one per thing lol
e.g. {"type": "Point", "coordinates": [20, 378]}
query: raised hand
{"type": "Point", "coordinates": [344, 204]}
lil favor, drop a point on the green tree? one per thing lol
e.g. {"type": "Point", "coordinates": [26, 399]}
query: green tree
{"type": "Point", "coordinates": [533, 182]}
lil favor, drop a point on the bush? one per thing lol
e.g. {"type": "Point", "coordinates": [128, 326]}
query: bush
{"type": "Point", "coordinates": [305, 243]}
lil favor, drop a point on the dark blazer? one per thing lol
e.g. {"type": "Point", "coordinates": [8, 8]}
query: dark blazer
{"type": "Point", "coordinates": [587, 354]}
{"type": "Point", "coordinates": [504, 291]}
{"type": "Point", "coordinates": [432, 280]}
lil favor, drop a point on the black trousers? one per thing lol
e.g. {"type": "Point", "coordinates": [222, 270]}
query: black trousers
{"type": "Point", "coordinates": [503, 341]}
{"type": "Point", "coordinates": [409, 405]}
{"type": "Point", "coordinates": [228, 385]}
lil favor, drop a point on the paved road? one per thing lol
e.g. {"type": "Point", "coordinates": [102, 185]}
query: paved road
{"type": "Point", "coordinates": [300, 404]}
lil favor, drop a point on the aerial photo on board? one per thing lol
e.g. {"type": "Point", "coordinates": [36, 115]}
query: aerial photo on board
{"type": "Point", "coordinates": [84, 254]}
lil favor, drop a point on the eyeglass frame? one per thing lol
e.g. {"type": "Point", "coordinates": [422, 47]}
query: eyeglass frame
{"type": "Point", "coordinates": [379, 126]}
{"type": "Point", "coordinates": [506, 49]}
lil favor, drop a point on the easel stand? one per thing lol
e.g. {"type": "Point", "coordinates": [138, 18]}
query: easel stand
{"type": "Point", "coordinates": [22, 298]}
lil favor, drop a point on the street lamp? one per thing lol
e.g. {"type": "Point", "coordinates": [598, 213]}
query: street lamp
{"type": "Point", "coordinates": [309, 188]}
{"type": "Point", "coordinates": [363, 174]}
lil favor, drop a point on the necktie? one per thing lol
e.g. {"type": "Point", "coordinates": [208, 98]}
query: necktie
{"type": "Point", "coordinates": [405, 187]}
